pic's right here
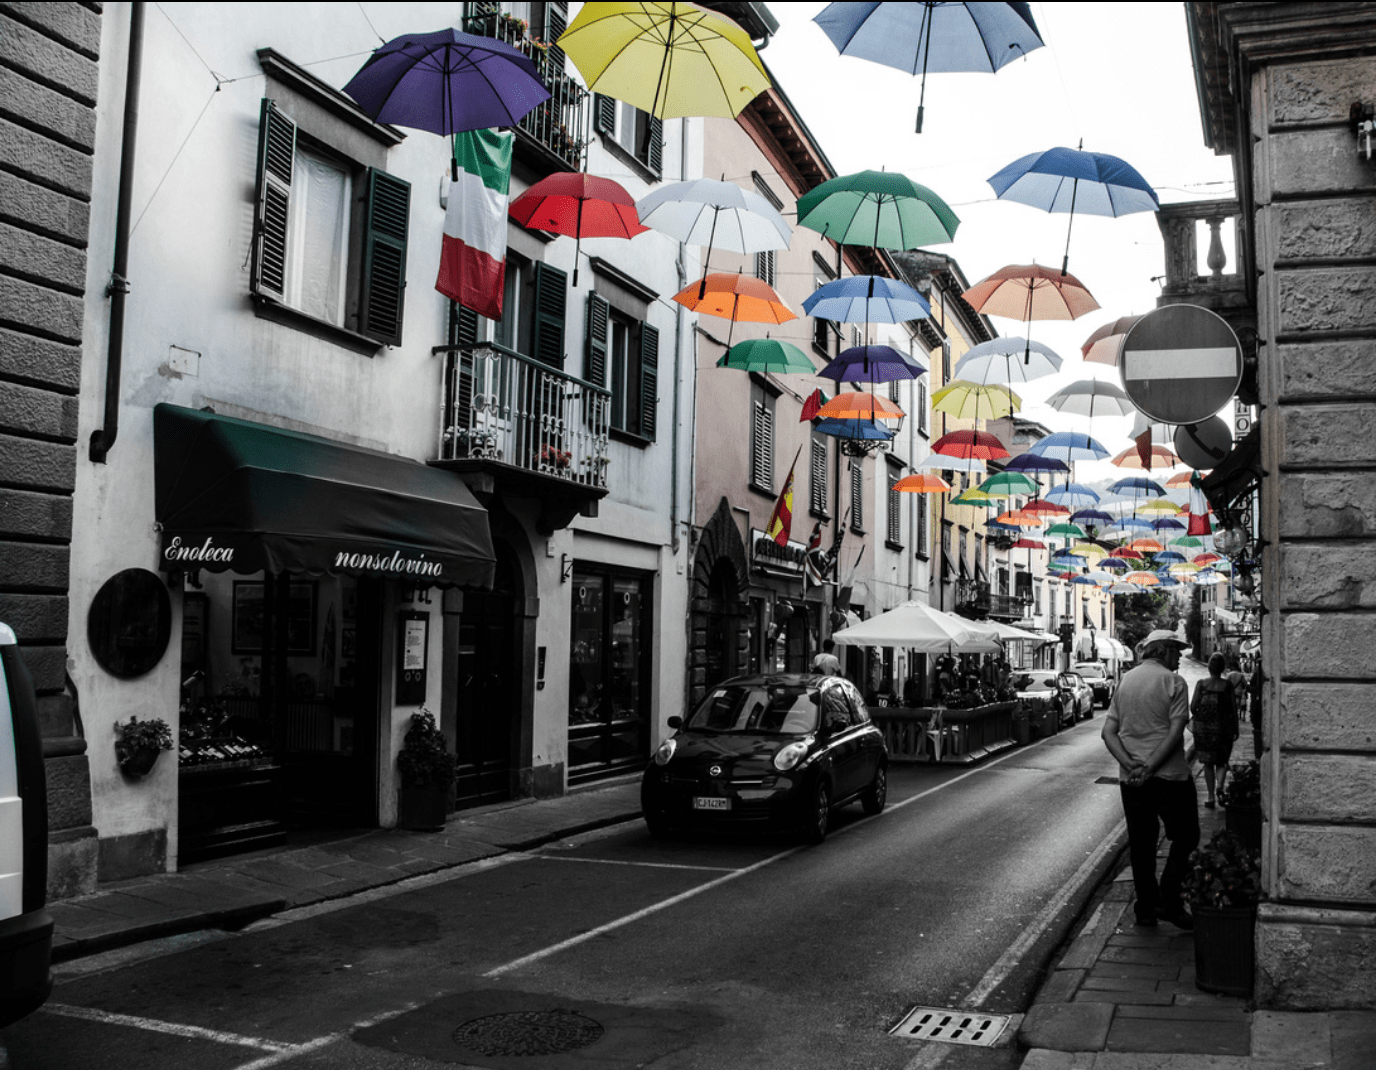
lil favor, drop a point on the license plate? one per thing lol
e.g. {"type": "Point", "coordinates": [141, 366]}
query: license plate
{"type": "Point", "coordinates": [703, 802]}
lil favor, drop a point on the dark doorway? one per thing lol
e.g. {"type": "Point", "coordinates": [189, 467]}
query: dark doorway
{"type": "Point", "coordinates": [489, 693]}
{"type": "Point", "coordinates": [722, 648]}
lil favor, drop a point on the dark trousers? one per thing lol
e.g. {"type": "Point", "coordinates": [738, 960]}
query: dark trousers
{"type": "Point", "coordinates": [1158, 802]}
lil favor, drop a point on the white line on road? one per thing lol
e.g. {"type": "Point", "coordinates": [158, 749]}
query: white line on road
{"type": "Point", "coordinates": [631, 862]}
{"type": "Point", "coordinates": [176, 1029]}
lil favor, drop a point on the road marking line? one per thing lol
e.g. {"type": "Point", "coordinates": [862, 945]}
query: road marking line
{"type": "Point", "coordinates": [674, 900]}
{"type": "Point", "coordinates": [632, 862]}
{"type": "Point", "coordinates": [999, 972]}
{"type": "Point", "coordinates": [193, 1032]}
{"type": "Point", "coordinates": [277, 1058]}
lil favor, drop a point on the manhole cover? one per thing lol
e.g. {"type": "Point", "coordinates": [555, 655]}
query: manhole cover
{"type": "Point", "coordinates": [528, 1033]}
{"type": "Point", "coordinates": [951, 1027]}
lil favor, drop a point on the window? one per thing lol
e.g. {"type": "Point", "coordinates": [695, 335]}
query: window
{"type": "Point", "coordinates": [857, 496]}
{"type": "Point", "coordinates": [893, 391]}
{"type": "Point", "coordinates": [1067, 600]}
{"type": "Point", "coordinates": [894, 534]}
{"type": "Point", "coordinates": [638, 134]}
{"type": "Point", "coordinates": [821, 329]}
{"type": "Point", "coordinates": [766, 262]}
{"type": "Point", "coordinates": [1037, 597]}
{"type": "Point", "coordinates": [923, 549]}
{"type": "Point", "coordinates": [1022, 586]}
{"type": "Point", "coordinates": [963, 545]}
{"type": "Point", "coordinates": [817, 477]}
{"type": "Point", "coordinates": [1002, 581]}
{"type": "Point", "coordinates": [921, 405]}
{"type": "Point", "coordinates": [329, 234]}
{"type": "Point", "coordinates": [622, 354]}
{"type": "Point", "coordinates": [761, 439]}
{"type": "Point", "coordinates": [947, 565]}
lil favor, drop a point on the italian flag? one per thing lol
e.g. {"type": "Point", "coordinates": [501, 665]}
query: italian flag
{"type": "Point", "coordinates": [473, 258]}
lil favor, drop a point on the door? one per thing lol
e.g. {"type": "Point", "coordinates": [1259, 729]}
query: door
{"type": "Point", "coordinates": [489, 692]}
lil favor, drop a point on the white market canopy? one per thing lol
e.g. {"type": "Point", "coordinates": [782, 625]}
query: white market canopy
{"type": "Point", "coordinates": [917, 626]}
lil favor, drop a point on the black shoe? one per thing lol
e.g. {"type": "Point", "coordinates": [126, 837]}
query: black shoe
{"type": "Point", "coordinates": [1148, 922]}
{"type": "Point", "coordinates": [1179, 917]}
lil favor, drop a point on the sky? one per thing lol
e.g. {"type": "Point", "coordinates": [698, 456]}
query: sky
{"type": "Point", "coordinates": [1115, 76]}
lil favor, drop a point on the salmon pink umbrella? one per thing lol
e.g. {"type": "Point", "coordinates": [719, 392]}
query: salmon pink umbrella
{"type": "Point", "coordinates": [1156, 456]}
{"type": "Point", "coordinates": [1106, 343]}
{"type": "Point", "coordinates": [1030, 292]}
{"type": "Point", "coordinates": [578, 206]}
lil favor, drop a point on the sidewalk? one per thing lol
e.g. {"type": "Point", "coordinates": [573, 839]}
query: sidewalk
{"type": "Point", "coordinates": [1124, 998]}
{"type": "Point", "coordinates": [232, 892]}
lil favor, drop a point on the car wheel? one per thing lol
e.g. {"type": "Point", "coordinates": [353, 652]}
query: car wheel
{"type": "Point", "coordinates": [873, 798]}
{"type": "Point", "coordinates": [656, 825]}
{"type": "Point", "coordinates": [817, 819]}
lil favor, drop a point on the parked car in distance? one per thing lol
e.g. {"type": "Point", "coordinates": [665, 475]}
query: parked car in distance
{"type": "Point", "coordinates": [778, 751]}
{"type": "Point", "coordinates": [1040, 689]}
{"type": "Point", "coordinates": [1082, 692]}
{"type": "Point", "coordinates": [1098, 679]}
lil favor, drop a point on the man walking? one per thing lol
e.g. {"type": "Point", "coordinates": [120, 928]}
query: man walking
{"type": "Point", "coordinates": [1144, 731]}
{"type": "Point", "coordinates": [827, 663]}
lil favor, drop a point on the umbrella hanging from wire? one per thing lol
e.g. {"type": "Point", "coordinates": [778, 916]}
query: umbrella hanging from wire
{"type": "Point", "coordinates": [880, 209]}
{"type": "Point", "coordinates": [922, 483]}
{"type": "Point", "coordinates": [1106, 343]}
{"type": "Point", "coordinates": [971, 401]}
{"type": "Point", "coordinates": [1067, 180]}
{"type": "Point", "coordinates": [735, 298]}
{"type": "Point", "coordinates": [1081, 397]}
{"type": "Point", "coordinates": [717, 214]}
{"type": "Point", "coordinates": [578, 206]}
{"type": "Point", "coordinates": [1069, 446]}
{"type": "Point", "coordinates": [1074, 496]}
{"type": "Point", "coordinates": [766, 355]}
{"type": "Point", "coordinates": [977, 445]}
{"type": "Point", "coordinates": [871, 364]}
{"type": "Point", "coordinates": [939, 37]}
{"type": "Point", "coordinates": [1030, 292]}
{"type": "Point", "coordinates": [1032, 462]}
{"type": "Point", "coordinates": [1157, 456]}
{"type": "Point", "coordinates": [1007, 360]}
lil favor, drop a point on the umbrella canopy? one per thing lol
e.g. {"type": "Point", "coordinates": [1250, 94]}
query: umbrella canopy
{"type": "Point", "coordinates": [1167, 523]}
{"type": "Point", "coordinates": [668, 59]}
{"type": "Point", "coordinates": [867, 299]}
{"type": "Point", "coordinates": [1142, 579]}
{"type": "Point", "coordinates": [932, 36]}
{"type": "Point", "coordinates": [766, 355]}
{"type": "Point", "coordinates": [1019, 518]}
{"type": "Point", "coordinates": [1042, 507]}
{"type": "Point", "coordinates": [946, 463]}
{"type": "Point", "coordinates": [977, 445]}
{"type": "Point", "coordinates": [974, 497]}
{"type": "Point", "coordinates": [1007, 360]}
{"type": "Point", "coordinates": [1157, 456]}
{"type": "Point", "coordinates": [1031, 292]}
{"type": "Point", "coordinates": [1145, 546]}
{"type": "Point", "coordinates": [859, 405]}
{"type": "Point", "coordinates": [1114, 564]}
{"type": "Point", "coordinates": [916, 626]}
{"type": "Point", "coordinates": [716, 214]}
{"type": "Point", "coordinates": [1137, 486]}
{"type": "Point", "coordinates": [1106, 343]}
{"type": "Point", "coordinates": [447, 82]}
{"type": "Point", "coordinates": [1181, 479]}
{"type": "Point", "coordinates": [1161, 506]}
{"type": "Point", "coordinates": [1002, 484]}
{"type": "Point", "coordinates": [881, 209]}
{"type": "Point", "coordinates": [1081, 398]}
{"type": "Point", "coordinates": [1031, 462]}
{"type": "Point", "coordinates": [858, 430]}
{"type": "Point", "coordinates": [922, 483]}
{"type": "Point", "coordinates": [1068, 446]}
{"type": "Point", "coordinates": [871, 364]}
{"type": "Point", "coordinates": [1090, 517]}
{"type": "Point", "coordinates": [578, 206]}
{"type": "Point", "coordinates": [1070, 180]}
{"type": "Point", "coordinates": [1066, 530]}
{"type": "Point", "coordinates": [1074, 496]}
{"type": "Point", "coordinates": [971, 401]}
{"type": "Point", "coordinates": [735, 297]}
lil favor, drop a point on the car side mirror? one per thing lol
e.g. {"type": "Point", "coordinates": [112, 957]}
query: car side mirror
{"type": "Point", "coordinates": [675, 721]}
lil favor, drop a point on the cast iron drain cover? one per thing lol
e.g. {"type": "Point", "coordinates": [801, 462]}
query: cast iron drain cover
{"type": "Point", "coordinates": [528, 1033]}
{"type": "Point", "coordinates": [953, 1027]}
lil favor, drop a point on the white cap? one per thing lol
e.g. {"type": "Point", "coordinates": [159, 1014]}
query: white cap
{"type": "Point", "coordinates": [1164, 635]}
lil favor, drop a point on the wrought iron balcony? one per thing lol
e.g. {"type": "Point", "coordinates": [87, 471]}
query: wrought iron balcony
{"type": "Point", "coordinates": [525, 429]}
{"type": "Point", "coordinates": [974, 598]}
{"type": "Point", "coordinates": [557, 129]}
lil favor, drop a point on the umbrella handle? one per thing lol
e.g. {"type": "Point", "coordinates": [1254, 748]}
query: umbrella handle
{"type": "Point", "coordinates": [1074, 189]}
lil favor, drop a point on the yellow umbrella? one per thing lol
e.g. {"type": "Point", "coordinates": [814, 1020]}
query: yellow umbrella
{"type": "Point", "coordinates": [1088, 549]}
{"type": "Point", "coordinates": [668, 59]}
{"type": "Point", "coordinates": [976, 401]}
{"type": "Point", "coordinates": [1158, 505]}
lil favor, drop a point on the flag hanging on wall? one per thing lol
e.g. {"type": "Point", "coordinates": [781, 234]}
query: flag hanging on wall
{"type": "Point", "coordinates": [781, 520]}
{"type": "Point", "coordinates": [1199, 508]}
{"type": "Point", "coordinates": [815, 560]}
{"type": "Point", "coordinates": [473, 257]}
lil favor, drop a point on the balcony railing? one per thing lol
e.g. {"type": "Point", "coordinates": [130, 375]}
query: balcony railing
{"type": "Point", "coordinates": [559, 126]}
{"type": "Point", "coordinates": [501, 406]}
{"type": "Point", "coordinates": [977, 599]}
{"type": "Point", "coordinates": [1225, 285]}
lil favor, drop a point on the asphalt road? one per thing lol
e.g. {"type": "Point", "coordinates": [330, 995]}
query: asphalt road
{"type": "Point", "coordinates": [689, 953]}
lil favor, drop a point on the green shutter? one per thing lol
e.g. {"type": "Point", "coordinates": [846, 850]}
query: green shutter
{"type": "Point", "coordinates": [463, 325]}
{"type": "Point", "coordinates": [382, 286]}
{"type": "Point", "coordinates": [655, 156]}
{"type": "Point", "coordinates": [276, 161]}
{"type": "Point", "coordinates": [649, 378]}
{"type": "Point", "coordinates": [595, 354]}
{"type": "Point", "coordinates": [604, 115]}
{"type": "Point", "coordinates": [556, 22]}
{"type": "Point", "coordinates": [551, 297]}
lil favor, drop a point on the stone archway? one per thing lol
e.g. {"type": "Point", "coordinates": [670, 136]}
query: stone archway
{"type": "Point", "coordinates": [718, 605]}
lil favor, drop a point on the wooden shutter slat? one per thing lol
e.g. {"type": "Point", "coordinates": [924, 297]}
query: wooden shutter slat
{"type": "Point", "coordinates": [551, 299]}
{"type": "Point", "coordinates": [595, 356]}
{"type": "Point", "coordinates": [649, 378]}
{"type": "Point", "coordinates": [276, 166]}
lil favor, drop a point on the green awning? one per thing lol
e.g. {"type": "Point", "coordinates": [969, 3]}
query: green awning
{"type": "Point", "coordinates": [231, 495]}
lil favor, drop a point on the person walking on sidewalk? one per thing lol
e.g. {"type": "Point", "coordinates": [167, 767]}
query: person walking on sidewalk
{"type": "Point", "coordinates": [1215, 725]}
{"type": "Point", "coordinates": [827, 663]}
{"type": "Point", "coordinates": [1144, 731]}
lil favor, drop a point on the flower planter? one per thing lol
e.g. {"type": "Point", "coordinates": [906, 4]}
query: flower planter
{"type": "Point", "coordinates": [1246, 822]}
{"type": "Point", "coordinates": [136, 761]}
{"type": "Point", "coordinates": [1224, 953]}
{"type": "Point", "coordinates": [422, 809]}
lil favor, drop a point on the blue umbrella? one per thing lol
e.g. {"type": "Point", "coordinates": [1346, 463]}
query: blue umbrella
{"type": "Point", "coordinates": [1137, 486]}
{"type": "Point", "coordinates": [1114, 564]}
{"type": "Point", "coordinates": [1167, 523]}
{"type": "Point", "coordinates": [447, 82]}
{"type": "Point", "coordinates": [1096, 517]}
{"type": "Point", "coordinates": [932, 36]}
{"type": "Point", "coordinates": [1134, 523]}
{"type": "Point", "coordinates": [1062, 180]}
{"type": "Point", "coordinates": [867, 299]}
{"type": "Point", "coordinates": [1069, 446]}
{"type": "Point", "coordinates": [1032, 462]}
{"type": "Point", "coordinates": [872, 364]}
{"type": "Point", "coordinates": [1072, 495]}
{"type": "Point", "coordinates": [861, 430]}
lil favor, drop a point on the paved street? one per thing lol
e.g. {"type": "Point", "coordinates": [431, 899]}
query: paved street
{"type": "Point", "coordinates": [688, 953]}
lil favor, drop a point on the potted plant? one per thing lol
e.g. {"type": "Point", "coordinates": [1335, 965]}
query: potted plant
{"type": "Point", "coordinates": [140, 743]}
{"type": "Point", "coordinates": [1222, 886]}
{"type": "Point", "coordinates": [1241, 798]}
{"type": "Point", "coordinates": [426, 769]}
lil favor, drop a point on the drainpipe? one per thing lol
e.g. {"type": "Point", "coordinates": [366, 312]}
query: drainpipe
{"type": "Point", "coordinates": [104, 437]}
{"type": "Point", "coordinates": [681, 267]}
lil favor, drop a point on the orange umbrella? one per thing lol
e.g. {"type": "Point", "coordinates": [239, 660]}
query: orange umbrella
{"type": "Point", "coordinates": [1157, 456]}
{"type": "Point", "coordinates": [1143, 579]}
{"type": "Point", "coordinates": [735, 297]}
{"type": "Point", "coordinates": [1146, 546]}
{"type": "Point", "coordinates": [923, 483]}
{"type": "Point", "coordinates": [1181, 479]}
{"type": "Point", "coordinates": [858, 405]}
{"type": "Point", "coordinates": [1020, 518]}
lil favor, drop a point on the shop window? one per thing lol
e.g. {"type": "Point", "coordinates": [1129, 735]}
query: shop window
{"type": "Point", "coordinates": [637, 133]}
{"type": "Point", "coordinates": [330, 235]}
{"type": "Point", "coordinates": [622, 354]}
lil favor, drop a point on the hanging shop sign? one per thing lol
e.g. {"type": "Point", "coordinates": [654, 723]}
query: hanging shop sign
{"type": "Point", "coordinates": [768, 556]}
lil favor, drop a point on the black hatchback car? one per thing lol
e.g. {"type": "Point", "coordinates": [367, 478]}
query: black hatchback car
{"type": "Point", "coordinates": [777, 751]}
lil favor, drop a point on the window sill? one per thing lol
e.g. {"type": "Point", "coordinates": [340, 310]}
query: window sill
{"type": "Point", "coordinates": [922, 555]}
{"type": "Point", "coordinates": [763, 491]}
{"type": "Point", "coordinates": [630, 438]}
{"type": "Point", "coordinates": [889, 544]}
{"type": "Point", "coordinates": [641, 168]}
{"type": "Point", "coordinates": [269, 308]}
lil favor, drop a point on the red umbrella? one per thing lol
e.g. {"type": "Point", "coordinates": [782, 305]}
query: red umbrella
{"type": "Point", "coordinates": [814, 402]}
{"type": "Point", "coordinates": [1039, 507]}
{"type": "Point", "coordinates": [578, 206]}
{"type": "Point", "coordinates": [971, 445]}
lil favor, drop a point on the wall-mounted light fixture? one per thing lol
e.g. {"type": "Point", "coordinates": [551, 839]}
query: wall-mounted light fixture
{"type": "Point", "coordinates": [565, 568]}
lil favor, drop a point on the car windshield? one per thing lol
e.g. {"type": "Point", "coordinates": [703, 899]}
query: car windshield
{"type": "Point", "coordinates": [1095, 671]}
{"type": "Point", "coordinates": [770, 710]}
{"type": "Point", "coordinates": [1035, 682]}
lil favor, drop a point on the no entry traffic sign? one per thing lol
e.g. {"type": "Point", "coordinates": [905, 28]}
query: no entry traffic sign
{"type": "Point", "coordinates": [1180, 364]}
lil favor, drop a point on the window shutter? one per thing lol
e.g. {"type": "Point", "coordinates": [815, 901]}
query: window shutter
{"type": "Point", "coordinates": [551, 297]}
{"type": "Point", "coordinates": [276, 161]}
{"type": "Point", "coordinates": [817, 490]}
{"type": "Point", "coordinates": [762, 447]}
{"type": "Point", "coordinates": [922, 544]}
{"type": "Point", "coordinates": [895, 524]}
{"type": "Point", "coordinates": [595, 354]}
{"type": "Point", "coordinates": [556, 22]}
{"type": "Point", "coordinates": [649, 378]}
{"type": "Point", "coordinates": [765, 267]}
{"type": "Point", "coordinates": [604, 115]}
{"type": "Point", "coordinates": [857, 496]}
{"type": "Point", "coordinates": [382, 288]}
{"type": "Point", "coordinates": [655, 155]}
{"type": "Point", "coordinates": [921, 406]}
{"type": "Point", "coordinates": [463, 325]}
{"type": "Point", "coordinates": [463, 331]}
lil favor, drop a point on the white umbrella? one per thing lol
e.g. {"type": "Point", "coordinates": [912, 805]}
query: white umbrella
{"type": "Point", "coordinates": [1007, 360]}
{"type": "Point", "coordinates": [917, 626]}
{"type": "Point", "coordinates": [1083, 397]}
{"type": "Point", "coordinates": [945, 463]}
{"type": "Point", "coordinates": [717, 214]}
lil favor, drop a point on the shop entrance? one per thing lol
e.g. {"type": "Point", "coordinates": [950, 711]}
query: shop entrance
{"type": "Point", "coordinates": [489, 695]}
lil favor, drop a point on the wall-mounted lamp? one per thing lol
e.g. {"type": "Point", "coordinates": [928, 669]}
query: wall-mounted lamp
{"type": "Point", "coordinates": [1362, 118]}
{"type": "Point", "coordinates": [565, 568]}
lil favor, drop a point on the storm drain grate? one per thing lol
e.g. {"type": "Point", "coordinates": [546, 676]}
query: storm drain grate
{"type": "Point", "coordinates": [951, 1027]}
{"type": "Point", "coordinates": [528, 1033]}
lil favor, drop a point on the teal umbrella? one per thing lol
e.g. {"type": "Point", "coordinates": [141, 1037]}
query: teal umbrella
{"type": "Point", "coordinates": [766, 355]}
{"type": "Point", "coordinates": [882, 209]}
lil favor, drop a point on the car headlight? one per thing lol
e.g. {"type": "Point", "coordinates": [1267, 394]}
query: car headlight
{"type": "Point", "coordinates": [787, 757]}
{"type": "Point", "coordinates": [665, 751]}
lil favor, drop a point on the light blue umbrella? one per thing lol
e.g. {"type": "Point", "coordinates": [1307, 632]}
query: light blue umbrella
{"type": "Point", "coordinates": [867, 299]}
{"type": "Point", "coordinates": [1073, 496]}
{"type": "Point", "coordinates": [1069, 446]}
{"type": "Point", "coordinates": [1137, 487]}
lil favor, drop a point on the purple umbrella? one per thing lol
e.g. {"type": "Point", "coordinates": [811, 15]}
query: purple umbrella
{"type": "Point", "coordinates": [447, 82]}
{"type": "Point", "coordinates": [872, 364]}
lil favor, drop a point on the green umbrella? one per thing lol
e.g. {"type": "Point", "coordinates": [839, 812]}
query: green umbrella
{"type": "Point", "coordinates": [1073, 531]}
{"type": "Point", "coordinates": [766, 355]}
{"type": "Point", "coordinates": [1002, 484]}
{"type": "Point", "coordinates": [882, 209]}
